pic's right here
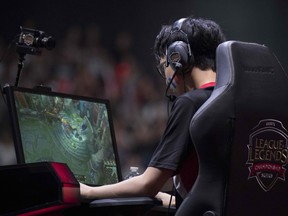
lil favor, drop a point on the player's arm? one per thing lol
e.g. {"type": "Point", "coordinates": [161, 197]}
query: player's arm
{"type": "Point", "coordinates": [147, 184]}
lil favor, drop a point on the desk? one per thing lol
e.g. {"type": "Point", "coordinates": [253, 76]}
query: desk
{"type": "Point", "coordinates": [50, 189]}
{"type": "Point", "coordinates": [130, 206]}
{"type": "Point", "coordinates": [139, 206]}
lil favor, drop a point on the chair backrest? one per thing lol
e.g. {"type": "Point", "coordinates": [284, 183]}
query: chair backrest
{"type": "Point", "coordinates": [241, 138]}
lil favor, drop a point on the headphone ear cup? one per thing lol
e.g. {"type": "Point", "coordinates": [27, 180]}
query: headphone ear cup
{"type": "Point", "coordinates": [177, 55]}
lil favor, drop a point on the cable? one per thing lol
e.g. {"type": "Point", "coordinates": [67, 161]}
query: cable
{"type": "Point", "coordinates": [170, 201]}
{"type": "Point", "coordinates": [170, 97]}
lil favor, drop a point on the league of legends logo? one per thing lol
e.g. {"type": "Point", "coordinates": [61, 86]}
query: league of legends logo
{"type": "Point", "coordinates": [268, 153]}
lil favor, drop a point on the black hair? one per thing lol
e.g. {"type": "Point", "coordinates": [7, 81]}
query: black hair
{"type": "Point", "coordinates": [204, 36]}
{"type": "Point", "coordinates": [160, 44]}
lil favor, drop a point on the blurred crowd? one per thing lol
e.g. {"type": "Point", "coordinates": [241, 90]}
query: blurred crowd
{"type": "Point", "coordinates": [81, 64]}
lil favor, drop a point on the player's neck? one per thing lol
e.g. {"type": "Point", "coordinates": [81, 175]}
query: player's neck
{"type": "Point", "coordinates": [202, 77]}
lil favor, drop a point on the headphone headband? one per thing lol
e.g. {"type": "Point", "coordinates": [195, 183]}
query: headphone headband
{"type": "Point", "coordinates": [177, 26]}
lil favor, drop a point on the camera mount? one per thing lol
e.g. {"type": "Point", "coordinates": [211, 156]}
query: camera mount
{"type": "Point", "coordinates": [30, 42]}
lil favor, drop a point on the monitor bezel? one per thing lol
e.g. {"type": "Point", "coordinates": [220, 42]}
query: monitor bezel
{"type": "Point", "coordinates": [10, 101]}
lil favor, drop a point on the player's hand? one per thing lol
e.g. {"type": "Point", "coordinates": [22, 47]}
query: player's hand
{"type": "Point", "coordinates": [85, 191]}
{"type": "Point", "coordinates": [166, 199]}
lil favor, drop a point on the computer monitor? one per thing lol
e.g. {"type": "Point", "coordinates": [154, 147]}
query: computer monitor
{"type": "Point", "coordinates": [71, 129]}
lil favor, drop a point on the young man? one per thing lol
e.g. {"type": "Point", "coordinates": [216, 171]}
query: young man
{"type": "Point", "coordinates": [186, 55]}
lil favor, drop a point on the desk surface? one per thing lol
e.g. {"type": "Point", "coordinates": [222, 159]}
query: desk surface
{"type": "Point", "coordinates": [136, 206]}
{"type": "Point", "coordinates": [127, 201]}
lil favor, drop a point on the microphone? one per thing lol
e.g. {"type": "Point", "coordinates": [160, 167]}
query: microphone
{"type": "Point", "coordinates": [171, 84]}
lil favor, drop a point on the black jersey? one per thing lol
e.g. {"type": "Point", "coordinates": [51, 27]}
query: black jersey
{"type": "Point", "coordinates": [175, 150]}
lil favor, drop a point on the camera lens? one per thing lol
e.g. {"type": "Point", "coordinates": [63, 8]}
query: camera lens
{"type": "Point", "coordinates": [45, 42]}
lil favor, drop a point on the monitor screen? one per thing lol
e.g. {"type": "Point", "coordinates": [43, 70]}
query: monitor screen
{"type": "Point", "coordinates": [76, 130]}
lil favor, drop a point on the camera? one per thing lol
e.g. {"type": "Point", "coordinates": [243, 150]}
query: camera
{"type": "Point", "coordinates": [31, 41]}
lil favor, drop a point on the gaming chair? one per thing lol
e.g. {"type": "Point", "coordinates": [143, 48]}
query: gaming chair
{"type": "Point", "coordinates": [241, 138]}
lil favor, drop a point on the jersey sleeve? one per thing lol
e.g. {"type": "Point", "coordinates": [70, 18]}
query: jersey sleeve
{"type": "Point", "coordinates": [175, 144]}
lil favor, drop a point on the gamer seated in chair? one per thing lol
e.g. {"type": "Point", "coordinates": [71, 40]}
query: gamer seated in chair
{"type": "Point", "coordinates": [186, 53]}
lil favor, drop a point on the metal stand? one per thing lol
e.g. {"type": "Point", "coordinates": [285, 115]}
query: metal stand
{"type": "Point", "coordinates": [20, 67]}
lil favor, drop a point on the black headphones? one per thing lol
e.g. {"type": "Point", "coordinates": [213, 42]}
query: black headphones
{"type": "Point", "coordinates": [179, 54]}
